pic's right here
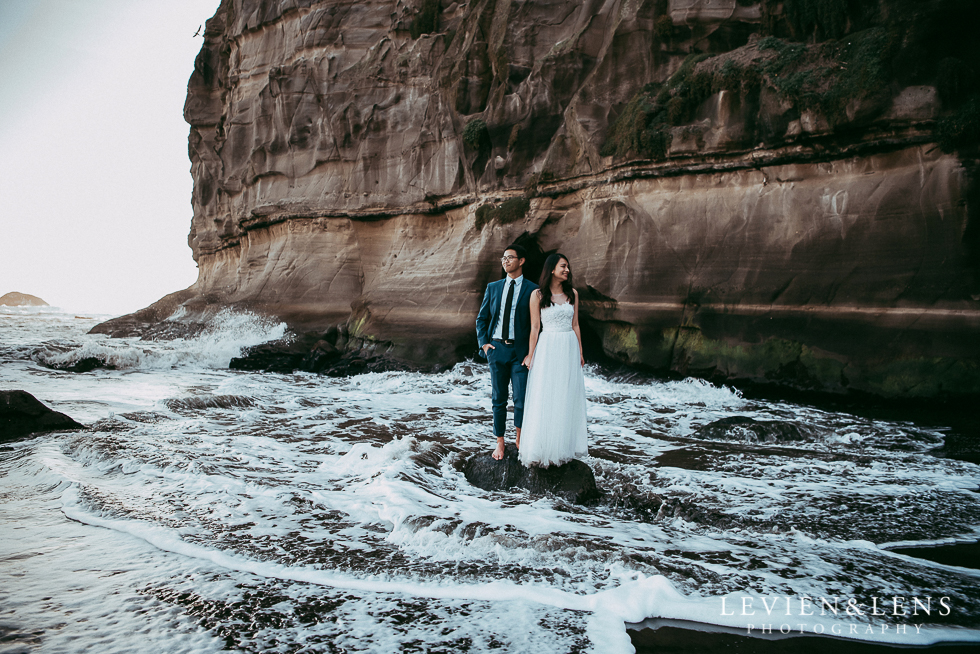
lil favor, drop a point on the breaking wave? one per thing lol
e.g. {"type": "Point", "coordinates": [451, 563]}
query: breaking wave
{"type": "Point", "coordinates": [28, 311]}
{"type": "Point", "coordinates": [224, 338]}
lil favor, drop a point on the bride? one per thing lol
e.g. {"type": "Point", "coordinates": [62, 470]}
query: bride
{"type": "Point", "coordinates": [554, 415]}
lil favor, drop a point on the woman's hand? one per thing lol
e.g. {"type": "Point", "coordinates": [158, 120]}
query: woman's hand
{"type": "Point", "coordinates": [527, 362]}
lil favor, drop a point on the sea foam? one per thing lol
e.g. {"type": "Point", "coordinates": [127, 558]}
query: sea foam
{"type": "Point", "coordinates": [226, 335]}
{"type": "Point", "coordinates": [300, 509]}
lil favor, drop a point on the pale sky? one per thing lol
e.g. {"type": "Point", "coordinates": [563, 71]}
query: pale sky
{"type": "Point", "coordinates": [95, 185]}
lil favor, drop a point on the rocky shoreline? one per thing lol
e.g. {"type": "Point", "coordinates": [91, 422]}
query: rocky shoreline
{"type": "Point", "coordinates": [324, 354]}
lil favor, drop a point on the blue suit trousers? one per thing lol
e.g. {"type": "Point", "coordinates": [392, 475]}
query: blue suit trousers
{"type": "Point", "coordinates": [506, 370]}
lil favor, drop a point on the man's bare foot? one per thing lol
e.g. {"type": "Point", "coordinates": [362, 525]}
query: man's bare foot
{"type": "Point", "coordinates": [518, 441]}
{"type": "Point", "coordinates": [498, 453]}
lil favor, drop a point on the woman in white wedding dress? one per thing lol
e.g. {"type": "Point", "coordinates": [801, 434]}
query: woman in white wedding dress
{"type": "Point", "coordinates": [554, 404]}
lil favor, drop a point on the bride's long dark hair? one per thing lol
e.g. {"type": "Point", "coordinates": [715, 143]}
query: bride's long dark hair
{"type": "Point", "coordinates": [545, 282]}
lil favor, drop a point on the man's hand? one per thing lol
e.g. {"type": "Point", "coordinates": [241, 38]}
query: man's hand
{"type": "Point", "coordinates": [486, 347]}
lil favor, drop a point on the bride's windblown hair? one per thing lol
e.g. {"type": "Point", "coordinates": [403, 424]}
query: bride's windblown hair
{"type": "Point", "coordinates": [544, 284]}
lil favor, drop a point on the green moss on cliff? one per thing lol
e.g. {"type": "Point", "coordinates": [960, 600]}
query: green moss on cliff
{"type": "Point", "coordinates": [475, 133]}
{"type": "Point", "coordinates": [640, 129]}
{"type": "Point", "coordinates": [356, 325]}
{"type": "Point", "coordinates": [773, 357]}
{"type": "Point", "coordinates": [643, 127]}
{"type": "Point", "coordinates": [663, 29]}
{"type": "Point", "coordinates": [845, 81]}
{"type": "Point", "coordinates": [862, 72]}
{"type": "Point", "coordinates": [831, 76]}
{"type": "Point", "coordinates": [621, 341]}
{"type": "Point", "coordinates": [787, 54]}
{"type": "Point", "coordinates": [509, 211]}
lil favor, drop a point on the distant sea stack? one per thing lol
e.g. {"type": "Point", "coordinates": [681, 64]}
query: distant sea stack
{"type": "Point", "coordinates": [769, 191]}
{"type": "Point", "coordinates": [22, 300]}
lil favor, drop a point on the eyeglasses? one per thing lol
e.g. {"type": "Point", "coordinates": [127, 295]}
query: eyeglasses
{"type": "Point", "coordinates": [507, 258]}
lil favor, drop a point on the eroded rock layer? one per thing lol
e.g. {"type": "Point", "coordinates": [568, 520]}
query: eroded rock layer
{"type": "Point", "coordinates": [741, 196]}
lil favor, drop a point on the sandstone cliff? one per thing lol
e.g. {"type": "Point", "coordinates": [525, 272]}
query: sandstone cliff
{"type": "Point", "coordinates": [746, 190]}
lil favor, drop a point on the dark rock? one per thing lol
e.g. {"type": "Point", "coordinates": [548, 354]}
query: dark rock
{"type": "Point", "coordinates": [152, 320]}
{"type": "Point", "coordinates": [86, 365]}
{"type": "Point", "coordinates": [21, 414]}
{"type": "Point", "coordinates": [744, 429]}
{"type": "Point", "coordinates": [964, 555]}
{"type": "Point", "coordinates": [348, 366]}
{"type": "Point", "coordinates": [572, 481]}
{"type": "Point", "coordinates": [267, 358]}
{"type": "Point", "coordinates": [355, 364]}
{"type": "Point", "coordinates": [282, 356]}
{"type": "Point", "coordinates": [313, 352]}
{"type": "Point", "coordinates": [322, 356]}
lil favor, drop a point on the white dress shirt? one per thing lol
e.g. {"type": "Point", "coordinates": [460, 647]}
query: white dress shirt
{"type": "Point", "coordinates": [499, 329]}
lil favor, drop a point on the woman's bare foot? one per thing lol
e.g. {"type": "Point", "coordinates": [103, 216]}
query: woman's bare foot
{"type": "Point", "coordinates": [498, 453]}
{"type": "Point", "coordinates": [518, 441]}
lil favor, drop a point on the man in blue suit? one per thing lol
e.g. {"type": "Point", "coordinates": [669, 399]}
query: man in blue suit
{"type": "Point", "coordinates": [503, 329]}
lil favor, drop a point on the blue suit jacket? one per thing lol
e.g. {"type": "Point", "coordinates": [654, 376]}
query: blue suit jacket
{"type": "Point", "coordinates": [486, 320]}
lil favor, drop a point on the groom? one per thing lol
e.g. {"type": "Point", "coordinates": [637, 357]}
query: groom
{"type": "Point", "coordinates": [503, 328]}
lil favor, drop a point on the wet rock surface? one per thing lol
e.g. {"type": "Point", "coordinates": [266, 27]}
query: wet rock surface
{"type": "Point", "coordinates": [282, 357]}
{"type": "Point", "coordinates": [22, 414]}
{"type": "Point", "coordinates": [963, 555]}
{"type": "Point", "coordinates": [319, 353]}
{"type": "Point", "coordinates": [749, 430]}
{"type": "Point", "coordinates": [86, 364]}
{"type": "Point", "coordinates": [572, 481]}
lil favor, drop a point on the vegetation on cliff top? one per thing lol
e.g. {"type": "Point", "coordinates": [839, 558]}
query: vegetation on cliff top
{"type": "Point", "coordinates": [841, 60]}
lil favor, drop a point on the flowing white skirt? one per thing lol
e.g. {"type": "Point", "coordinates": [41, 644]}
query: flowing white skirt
{"type": "Point", "coordinates": [554, 404]}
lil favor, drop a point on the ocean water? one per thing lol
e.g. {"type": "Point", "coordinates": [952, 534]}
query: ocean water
{"type": "Point", "coordinates": [208, 509]}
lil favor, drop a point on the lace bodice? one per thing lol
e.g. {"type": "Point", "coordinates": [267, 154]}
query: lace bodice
{"type": "Point", "coordinates": [557, 318]}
